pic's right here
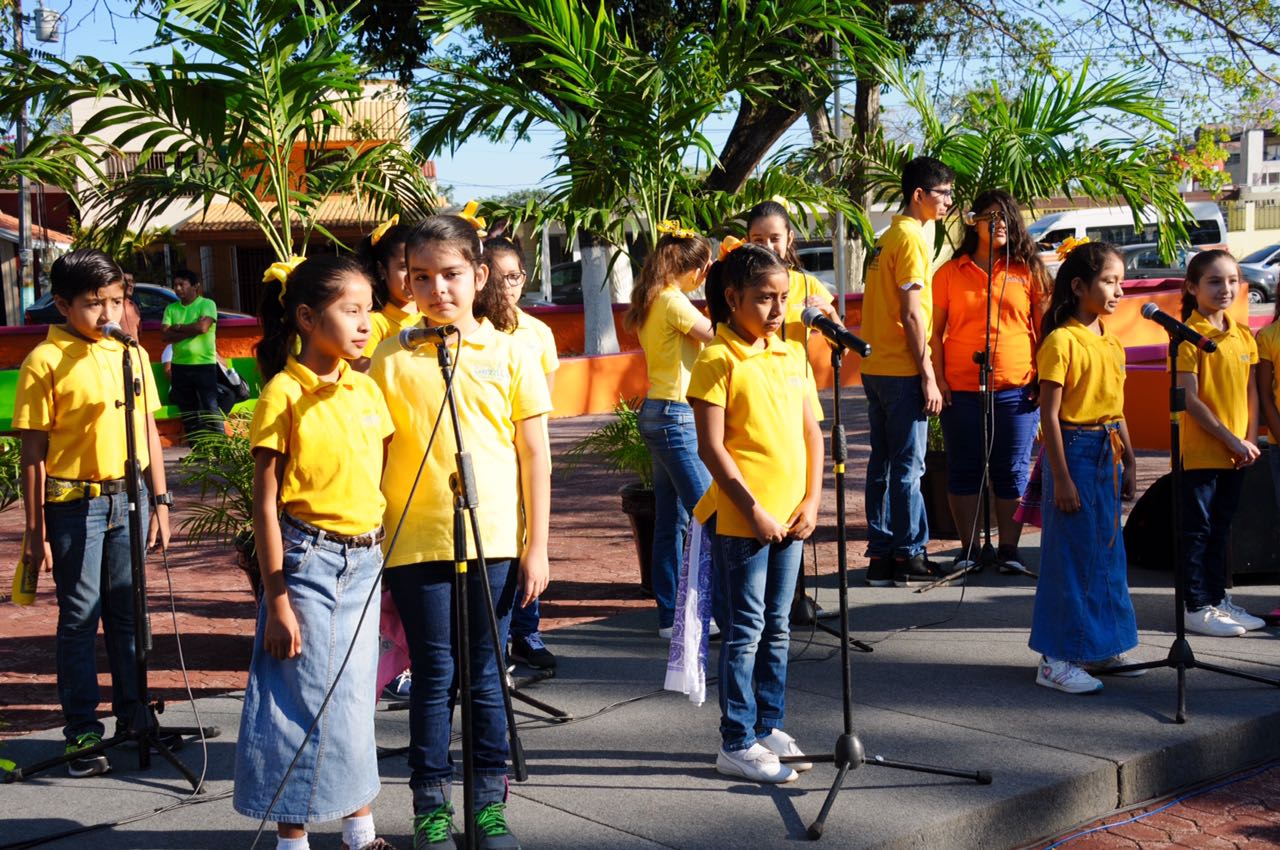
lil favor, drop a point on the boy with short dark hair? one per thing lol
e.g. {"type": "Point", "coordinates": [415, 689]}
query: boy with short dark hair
{"type": "Point", "coordinates": [189, 325]}
{"type": "Point", "coordinates": [897, 312]}
{"type": "Point", "coordinates": [69, 411]}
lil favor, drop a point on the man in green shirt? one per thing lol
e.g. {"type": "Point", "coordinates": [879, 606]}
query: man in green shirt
{"type": "Point", "coordinates": [189, 325]}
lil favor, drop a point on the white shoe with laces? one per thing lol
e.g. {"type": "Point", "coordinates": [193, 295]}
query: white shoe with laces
{"type": "Point", "coordinates": [783, 745]}
{"type": "Point", "coordinates": [1212, 622]}
{"type": "Point", "coordinates": [1241, 616]}
{"type": "Point", "coordinates": [1065, 676]}
{"type": "Point", "coordinates": [755, 763]}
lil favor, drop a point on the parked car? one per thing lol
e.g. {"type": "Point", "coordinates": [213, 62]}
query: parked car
{"type": "Point", "coordinates": [566, 286]}
{"type": "Point", "coordinates": [1143, 262]}
{"type": "Point", "coordinates": [819, 261]}
{"type": "Point", "coordinates": [1260, 269]}
{"type": "Point", "coordinates": [150, 299]}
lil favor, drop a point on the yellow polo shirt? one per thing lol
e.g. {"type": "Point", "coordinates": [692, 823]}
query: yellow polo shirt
{"type": "Point", "coordinates": [534, 336]}
{"type": "Point", "coordinates": [1269, 349]}
{"type": "Point", "coordinates": [669, 352]}
{"type": "Point", "coordinates": [900, 260]}
{"type": "Point", "coordinates": [332, 435]}
{"type": "Point", "coordinates": [1090, 368]}
{"type": "Point", "coordinates": [762, 391]}
{"type": "Point", "coordinates": [388, 322]}
{"type": "Point", "coordinates": [800, 287]}
{"type": "Point", "coordinates": [74, 389]}
{"type": "Point", "coordinates": [497, 384]}
{"type": "Point", "coordinates": [1223, 379]}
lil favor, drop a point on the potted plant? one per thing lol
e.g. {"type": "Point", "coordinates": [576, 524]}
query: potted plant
{"type": "Point", "coordinates": [619, 446]}
{"type": "Point", "coordinates": [221, 465]}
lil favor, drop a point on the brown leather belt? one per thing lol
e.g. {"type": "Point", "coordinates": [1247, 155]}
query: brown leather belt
{"type": "Point", "coordinates": [356, 541]}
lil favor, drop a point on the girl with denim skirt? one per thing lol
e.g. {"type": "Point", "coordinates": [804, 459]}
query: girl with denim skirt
{"type": "Point", "coordinates": [672, 332]}
{"type": "Point", "coordinates": [755, 405]}
{"type": "Point", "coordinates": [502, 410]}
{"type": "Point", "coordinates": [318, 438]}
{"type": "Point", "coordinates": [1219, 440]}
{"type": "Point", "coordinates": [1083, 620]}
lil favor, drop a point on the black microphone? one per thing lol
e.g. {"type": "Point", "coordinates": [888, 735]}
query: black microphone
{"type": "Point", "coordinates": [1177, 329]}
{"type": "Point", "coordinates": [112, 330]}
{"type": "Point", "coordinates": [835, 332]}
{"type": "Point", "coordinates": [411, 338]}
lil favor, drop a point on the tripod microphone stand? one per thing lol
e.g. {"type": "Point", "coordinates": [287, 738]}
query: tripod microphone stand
{"type": "Point", "coordinates": [849, 753]}
{"type": "Point", "coordinates": [1180, 656]}
{"type": "Point", "coordinates": [144, 727]}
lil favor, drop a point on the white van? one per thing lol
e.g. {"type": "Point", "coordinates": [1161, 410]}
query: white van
{"type": "Point", "coordinates": [1115, 225]}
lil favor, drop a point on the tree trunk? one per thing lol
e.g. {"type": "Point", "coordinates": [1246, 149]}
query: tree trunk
{"type": "Point", "coordinates": [866, 123]}
{"type": "Point", "coordinates": [599, 334]}
{"type": "Point", "coordinates": [755, 130]}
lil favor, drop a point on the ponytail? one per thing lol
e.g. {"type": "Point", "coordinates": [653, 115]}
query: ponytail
{"type": "Point", "coordinates": [741, 267]}
{"type": "Point", "coordinates": [673, 256]}
{"type": "Point", "coordinates": [1086, 263]}
{"type": "Point", "coordinates": [375, 252]}
{"type": "Point", "coordinates": [313, 283]}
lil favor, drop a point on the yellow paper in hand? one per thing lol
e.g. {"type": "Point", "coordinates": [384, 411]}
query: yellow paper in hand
{"type": "Point", "coordinates": [25, 578]}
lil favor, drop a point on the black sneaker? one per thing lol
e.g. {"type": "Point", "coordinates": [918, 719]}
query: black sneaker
{"type": "Point", "coordinates": [532, 651]}
{"type": "Point", "coordinates": [1008, 561]}
{"type": "Point", "coordinates": [434, 829]}
{"type": "Point", "coordinates": [491, 824]}
{"type": "Point", "coordinates": [880, 571]}
{"type": "Point", "coordinates": [91, 764]}
{"type": "Point", "coordinates": [916, 570]}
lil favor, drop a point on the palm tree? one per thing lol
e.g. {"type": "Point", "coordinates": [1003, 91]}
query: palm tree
{"type": "Point", "coordinates": [259, 79]}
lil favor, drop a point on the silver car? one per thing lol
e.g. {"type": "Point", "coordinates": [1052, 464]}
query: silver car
{"type": "Point", "coordinates": [1260, 270]}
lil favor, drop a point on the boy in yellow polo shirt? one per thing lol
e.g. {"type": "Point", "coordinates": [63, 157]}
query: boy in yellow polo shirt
{"type": "Point", "coordinates": [897, 310]}
{"type": "Point", "coordinates": [69, 410]}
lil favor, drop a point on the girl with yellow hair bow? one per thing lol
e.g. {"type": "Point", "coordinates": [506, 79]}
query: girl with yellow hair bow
{"type": "Point", "coordinates": [382, 253]}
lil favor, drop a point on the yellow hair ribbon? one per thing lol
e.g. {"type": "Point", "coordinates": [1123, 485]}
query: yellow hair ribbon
{"type": "Point", "coordinates": [381, 230]}
{"type": "Point", "coordinates": [282, 270]}
{"type": "Point", "coordinates": [468, 214]}
{"type": "Point", "coordinates": [782, 202]}
{"type": "Point", "coordinates": [1070, 244]}
{"type": "Point", "coordinates": [671, 227]}
{"type": "Point", "coordinates": [728, 245]}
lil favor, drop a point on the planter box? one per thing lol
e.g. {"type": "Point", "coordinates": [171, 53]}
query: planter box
{"type": "Point", "coordinates": [637, 504]}
{"type": "Point", "coordinates": [933, 488]}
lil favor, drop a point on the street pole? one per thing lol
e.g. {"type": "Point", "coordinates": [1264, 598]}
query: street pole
{"type": "Point", "coordinates": [26, 294]}
{"type": "Point", "coordinates": [837, 247]}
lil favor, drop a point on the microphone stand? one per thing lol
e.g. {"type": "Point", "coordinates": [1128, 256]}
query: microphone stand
{"type": "Point", "coordinates": [1180, 656]}
{"type": "Point", "coordinates": [144, 727]}
{"type": "Point", "coordinates": [848, 753]}
{"type": "Point", "coordinates": [986, 554]}
{"type": "Point", "coordinates": [463, 485]}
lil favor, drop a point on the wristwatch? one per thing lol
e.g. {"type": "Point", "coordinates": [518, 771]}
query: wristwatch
{"type": "Point", "coordinates": [165, 499]}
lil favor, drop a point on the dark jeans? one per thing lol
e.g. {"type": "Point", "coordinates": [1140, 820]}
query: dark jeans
{"type": "Point", "coordinates": [93, 578]}
{"type": "Point", "coordinates": [896, 523]}
{"type": "Point", "coordinates": [1014, 419]}
{"type": "Point", "coordinates": [1209, 501]}
{"type": "Point", "coordinates": [194, 389]}
{"type": "Point", "coordinates": [525, 621]}
{"type": "Point", "coordinates": [423, 594]}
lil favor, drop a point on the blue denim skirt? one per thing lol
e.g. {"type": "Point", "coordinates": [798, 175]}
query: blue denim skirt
{"type": "Point", "coordinates": [337, 772]}
{"type": "Point", "coordinates": [1082, 609]}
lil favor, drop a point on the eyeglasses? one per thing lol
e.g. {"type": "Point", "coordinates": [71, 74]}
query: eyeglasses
{"type": "Point", "coordinates": [514, 279]}
{"type": "Point", "coordinates": [942, 193]}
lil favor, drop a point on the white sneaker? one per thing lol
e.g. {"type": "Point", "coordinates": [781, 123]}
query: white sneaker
{"type": "Point", "coordinates": [1241, 616]}
{"type": "Point", "coordinates": [1105, 666]}
{"type": "Point", "coordinates": [754, 763]}
{"type": "Point", "coordinates": [1212, 622]}
{"type": "Point", "coordinates": [781, 744]}
{"type": "Point", "coordinates": [665, 632]}
{"type": "Point", "coordinates": [1066, 677]}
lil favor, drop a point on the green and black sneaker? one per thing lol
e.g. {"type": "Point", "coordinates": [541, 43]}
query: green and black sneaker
{"type": "Point", "coordinates": [434, 829]}
{"type": "Point", "coordinates": [491, 823]}
{"type": "Point", "coordinates": [87, 765]}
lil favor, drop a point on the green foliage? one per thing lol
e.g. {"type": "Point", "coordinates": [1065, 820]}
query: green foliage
{"type": "Point", "coordinates": [617, 444]}
{"type": "Point", "coordinates": [10, 471]}
{"type": "Point", "coordinates": [258, 79]}
{"type": "Point", "coordinates": [222, 467]}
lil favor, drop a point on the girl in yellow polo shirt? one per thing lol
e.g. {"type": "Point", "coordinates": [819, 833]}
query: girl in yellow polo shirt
{"type": "Point", "coordinates": [1083, 620]}
{"type": "Point", "coordinates": [382, 253]}
{"type": "Point", "coordinates": [502, 406]}
{"type": "Point", "coordinates": [1219, 439]}
{"type": "Point", "coordinates": [755, 406]}
{"type": "Point", "coordinates": [672, 332]}
{"type": "Point", "coordinates": [318, 439]}
{"type": "Point", "coordinates": [769, 226]}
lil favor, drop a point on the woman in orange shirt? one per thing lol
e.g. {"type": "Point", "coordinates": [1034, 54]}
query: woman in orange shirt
{"type": "Point", "coordinates": [960, 324]}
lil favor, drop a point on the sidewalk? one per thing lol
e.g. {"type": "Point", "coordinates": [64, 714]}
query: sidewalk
{"type": "Point", "coordinates": [640, 774]}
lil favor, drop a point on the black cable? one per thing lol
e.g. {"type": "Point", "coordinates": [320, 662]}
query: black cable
{"type": "Point", "coordinates": [373, 590]}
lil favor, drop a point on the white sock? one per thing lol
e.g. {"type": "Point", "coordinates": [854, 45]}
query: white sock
{"type": "Point", "coordinates": [292, 843]}
{"type": "Point", "coordinates": [358, 831]}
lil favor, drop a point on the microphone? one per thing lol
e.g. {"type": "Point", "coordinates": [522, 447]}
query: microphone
{"type": "Point", "coordinates": [411, 338]}
{"type": "Point", "coordinates": [833, 331]}
{"type": "Point", "coordinates": [1177, 329]}
{"type": "Point", "coordinates": [112, 330]}
{"type": "Point", "coordinates": [972, 217]}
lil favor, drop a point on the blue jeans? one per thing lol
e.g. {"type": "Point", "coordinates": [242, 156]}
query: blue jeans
{"type": "Point", "coordinates": [1014, 420]}
{"type": "Point", "coordinates": [679, 480]}
{"type": "Point", "coordinates": [423, 594]}
{"type": "Point", "coordinates": [1209, 501]}
{"type": "Point", "coordinates": [896, 523]}
{"type": "Point", "coordinates": [525, 621]}
{"type": "Point", "coordinates": [329, 587]}
{"type": "Point", "coordinates": [757, 583]}
{"type": "Point", "coordinates": [93, 578]}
